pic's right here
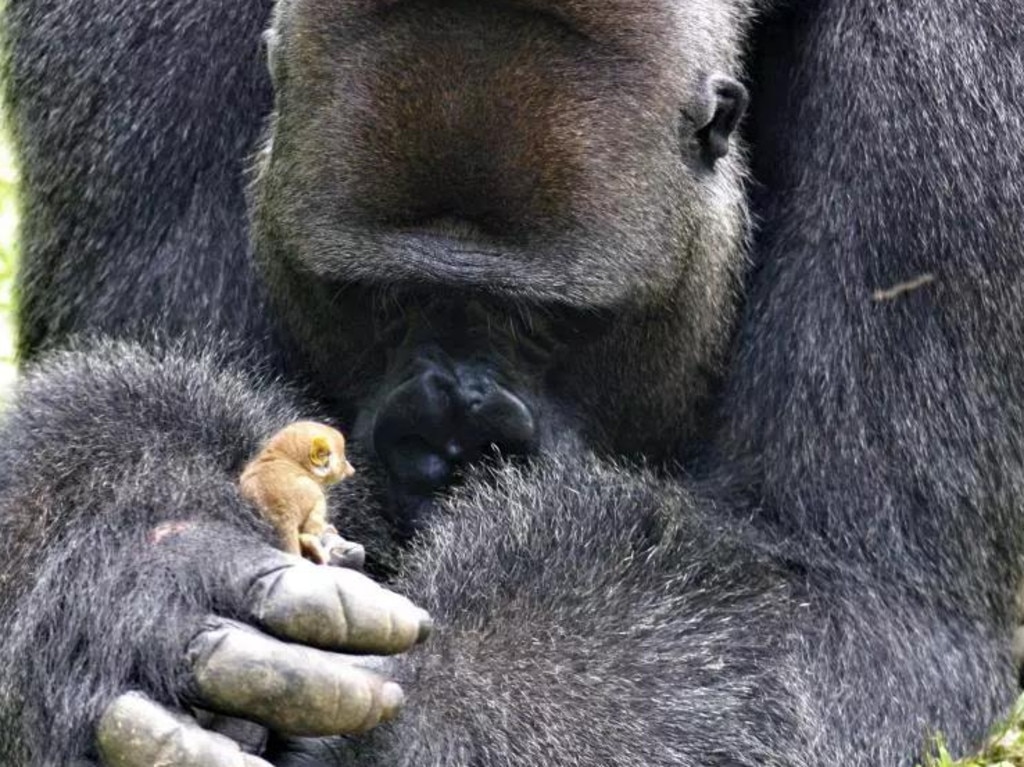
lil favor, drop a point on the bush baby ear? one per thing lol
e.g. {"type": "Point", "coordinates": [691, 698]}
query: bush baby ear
{"type": "Point", "coordinates": [320, 452]}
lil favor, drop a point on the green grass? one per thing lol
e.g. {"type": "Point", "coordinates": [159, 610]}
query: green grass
{"type": "Point", "coordinates": [1005, 747]}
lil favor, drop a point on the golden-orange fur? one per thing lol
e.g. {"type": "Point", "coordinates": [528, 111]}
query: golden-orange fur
{"type": "Point", "coordinates": [286, 482]}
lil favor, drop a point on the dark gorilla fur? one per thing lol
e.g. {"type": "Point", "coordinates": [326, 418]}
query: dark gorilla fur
{"type": "Point", "coordinates": [833, 577]}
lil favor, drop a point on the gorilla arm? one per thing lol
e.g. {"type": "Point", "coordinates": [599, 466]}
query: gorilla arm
{"type": "Point", "coordinates": [591, 615]}
{"type": "Point", "coordinates": [598, 623]}
{"type": "Point", "coordinates": [598, 616]}
{"type": "Point", "coordinates": [102, 449]}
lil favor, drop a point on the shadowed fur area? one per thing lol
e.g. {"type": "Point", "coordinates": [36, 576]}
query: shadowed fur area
{"type": "Point", "coordinates": [643, 412]}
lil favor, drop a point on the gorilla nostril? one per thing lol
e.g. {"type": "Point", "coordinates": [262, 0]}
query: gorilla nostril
{"type": "Point", "coordinates": [420, 406]}
{"type": "Point", "coordinates": [440, 416]}
{"type": "Point", "coordinates": [504, 419]}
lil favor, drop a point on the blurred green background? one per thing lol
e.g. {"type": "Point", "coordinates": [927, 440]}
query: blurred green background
{"type": "Point", "coordinates": [8, 254]}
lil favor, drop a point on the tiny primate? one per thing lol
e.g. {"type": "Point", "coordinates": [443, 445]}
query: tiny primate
{"type": "Point", "coordinates": [287, 483]}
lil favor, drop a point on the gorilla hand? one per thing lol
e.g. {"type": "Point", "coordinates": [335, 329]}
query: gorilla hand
{"type": "Point", "coordinates": [281, 671]}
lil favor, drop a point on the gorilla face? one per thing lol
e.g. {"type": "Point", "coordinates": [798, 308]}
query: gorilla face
{"type": "Point", "coordinates": [560, 165]}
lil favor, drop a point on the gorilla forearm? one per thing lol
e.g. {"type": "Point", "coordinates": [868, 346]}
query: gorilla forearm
{"type": "Point", "coordinates": [620, 636]}
{"type": "Point", "coordinates": [95, 432]}
{"type": "Point", "coordinates": [621, 621]}
{"type": "Point", "coordinates": [611, 637]}
{"type": "Point", "coordinates": [593, 613]}
{"type": "Point", "coordinates": [100, 447]}
{"type": "Point", "coordinates": [887, 667]}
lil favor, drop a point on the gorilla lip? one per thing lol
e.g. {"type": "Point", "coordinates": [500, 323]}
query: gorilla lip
{"type": "Point", "coordinates": [454, 260]}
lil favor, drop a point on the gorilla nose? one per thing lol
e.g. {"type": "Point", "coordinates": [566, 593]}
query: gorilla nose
{"type": "Point", "coordinates": [443, 416]}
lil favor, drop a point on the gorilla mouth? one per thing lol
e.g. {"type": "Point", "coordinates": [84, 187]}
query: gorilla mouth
{"type": "Point", "coordinates": [463, 255]}
{"type": "Point", "coordinates": [443, 258]}
{"type": "Point", "coordinates": [448, 257]}
{"type": "Point", "coordinates": [454, 226]}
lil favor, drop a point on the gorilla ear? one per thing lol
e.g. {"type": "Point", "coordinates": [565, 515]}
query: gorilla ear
{"type": "Point", "coordinates": [727, 100]}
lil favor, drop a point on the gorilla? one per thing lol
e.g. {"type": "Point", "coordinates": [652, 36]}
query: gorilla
{"type": "Point", "coordinates": [689, 462]}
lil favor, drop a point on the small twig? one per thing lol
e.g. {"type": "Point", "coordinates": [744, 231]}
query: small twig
{"type": "Point", "coordinates": [903, 287]}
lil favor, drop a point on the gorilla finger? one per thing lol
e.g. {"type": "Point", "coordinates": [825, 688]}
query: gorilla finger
{"type": "Point", "coordinates": [250, 736]}
{"type": "Point", "coordinates": [137, 732]}
{"type": "Point", "coordinates": [291, 689]}
{"type": "Point", "coordinates": [335, 609]}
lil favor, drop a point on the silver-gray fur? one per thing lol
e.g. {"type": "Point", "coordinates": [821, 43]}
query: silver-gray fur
{"type": "Point", "coordinates": [830, 581]}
